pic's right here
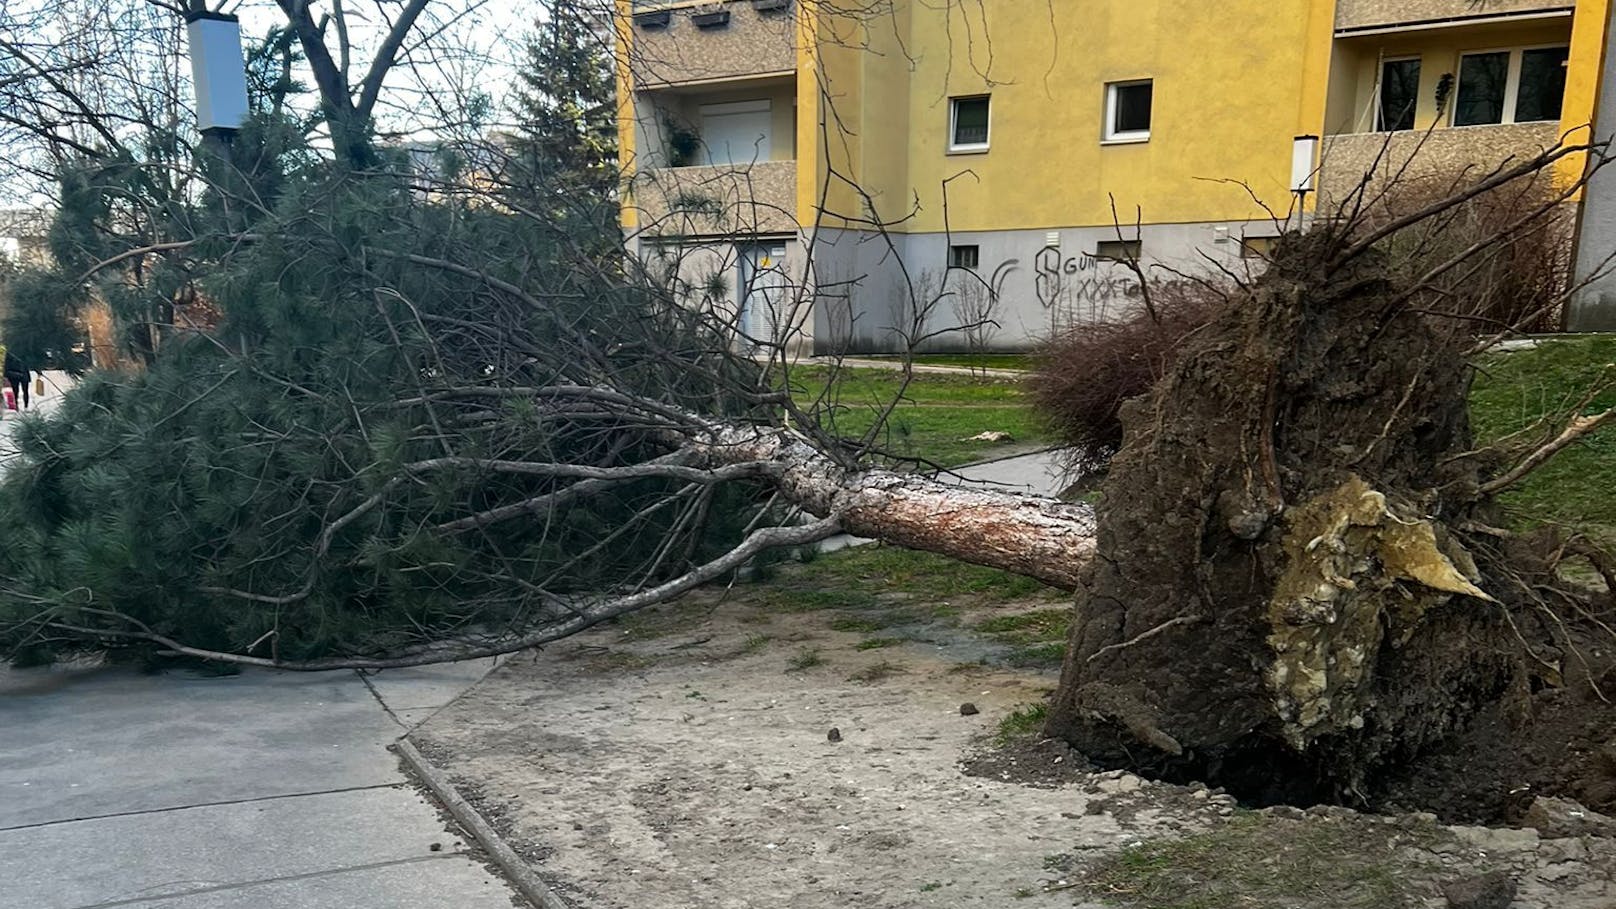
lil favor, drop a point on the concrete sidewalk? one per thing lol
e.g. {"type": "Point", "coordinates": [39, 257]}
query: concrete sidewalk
{"type": "Point", "coordinates": [920, 368]}
{"type": "Point", "coordinates": [56, 383]}
{"type": "Point", "coordinates": [1038, 473]}
{"type": "Point", "coordinates": [266, 790]}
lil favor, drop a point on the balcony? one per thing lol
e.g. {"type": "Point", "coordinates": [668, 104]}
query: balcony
{"type": "Point", "coordinates": [717, 200]}
{"type": "Point", "coordinates": [711, 42]}
{"type": "Point", "coordinates": [1440, 155]}
{"type": "Point", "coordinates": [1353, 16]}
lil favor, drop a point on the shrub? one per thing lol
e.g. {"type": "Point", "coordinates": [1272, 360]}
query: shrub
{"type": "Point", "coordinates": [1517, 284]}
{"type": "Point", "coordinates": [1083, 374]}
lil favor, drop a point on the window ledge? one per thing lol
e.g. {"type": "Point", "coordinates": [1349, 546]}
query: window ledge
{"type": "Point", "coordinates": [967, 149]}
{"type": "Point", "coordinates": [1126, 139]}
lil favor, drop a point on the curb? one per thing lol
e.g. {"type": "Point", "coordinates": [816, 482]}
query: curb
{"type": "Point", "coordinates": [499, 852]}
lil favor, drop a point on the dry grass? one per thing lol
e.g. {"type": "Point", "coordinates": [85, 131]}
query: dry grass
{"type": "Point", "coordinates": [1085, 373]}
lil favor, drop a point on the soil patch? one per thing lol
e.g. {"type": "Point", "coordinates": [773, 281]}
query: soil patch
{"type": "Point", "coordinates": [687, 759]}
{"type": "Point", "coordinates": [1560, 742]}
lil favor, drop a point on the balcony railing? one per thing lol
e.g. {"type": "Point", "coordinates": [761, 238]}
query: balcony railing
{"type": "Point", "coordinates": [1414, 156]}
{"type": "Point", "coordinates": [718, 200]}
{"type": "Point", "coordinates": [713, 41]}
{"type": "Point", "coordinates": [1353, 15]}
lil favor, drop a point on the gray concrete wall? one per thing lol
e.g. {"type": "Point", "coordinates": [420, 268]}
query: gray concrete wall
{"type": "Point", "coordinates": [872, 290]}
{"type": "Point", "coordinates": [687, 267]}
{"type": "Point", "coordinates": [1594, 306]}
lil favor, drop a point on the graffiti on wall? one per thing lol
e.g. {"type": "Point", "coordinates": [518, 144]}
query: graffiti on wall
{"type": "Point", "coordinates": [1064, 282]}
{"type": "Point", "coordinates": [1001, 275]}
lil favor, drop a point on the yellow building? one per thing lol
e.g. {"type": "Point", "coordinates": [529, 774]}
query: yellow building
{"type": "Point", "coordinates": [859, 173]}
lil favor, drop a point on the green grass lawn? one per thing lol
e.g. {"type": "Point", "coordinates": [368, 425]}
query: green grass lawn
{"type": "Point", "coordinates": [1578, 487]}
{"type": "Point", "coordinates": [923, 574]}
{"type": "Point", "coordinates": [937, 414]}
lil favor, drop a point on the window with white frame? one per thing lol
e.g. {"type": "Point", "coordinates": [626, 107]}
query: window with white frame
{"type": "Point", "coordinates": [1127, 110]}
{"type": "Point", "coordinates": [968, 124]}
{"type": "Point", "coordinates": [1517, 85]}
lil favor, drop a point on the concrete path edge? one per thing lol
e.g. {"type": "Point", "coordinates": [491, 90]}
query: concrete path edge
{"type": "Point", "coordinates": [499, 852]}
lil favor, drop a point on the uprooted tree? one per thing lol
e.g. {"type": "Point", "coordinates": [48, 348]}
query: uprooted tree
{"type": "Point", "coordinates": [431, 421]}
{"type": "Point", "coordinates": [1298, 580]}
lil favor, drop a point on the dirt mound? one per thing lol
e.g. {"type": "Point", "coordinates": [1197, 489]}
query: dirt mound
{"type": "Point", "coordinates": [1289, 599]}
{"type": "Point", "coordinates": [1560, 742]}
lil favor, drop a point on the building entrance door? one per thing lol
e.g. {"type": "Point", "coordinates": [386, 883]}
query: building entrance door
{"type": "Point", "coordinates": [765, 294]}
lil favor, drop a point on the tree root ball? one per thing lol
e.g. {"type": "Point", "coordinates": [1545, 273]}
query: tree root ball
{"type": "Point", "coordinates": [1284, 600]}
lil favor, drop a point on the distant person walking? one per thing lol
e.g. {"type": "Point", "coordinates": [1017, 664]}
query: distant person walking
{"type": "Point", "coordinates": [17, 377]}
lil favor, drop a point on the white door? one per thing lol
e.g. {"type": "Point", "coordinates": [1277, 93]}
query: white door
{"type": "Point", "coordinates": [735, 133]}
{"type": "Point", "coordinates": [765, 294]}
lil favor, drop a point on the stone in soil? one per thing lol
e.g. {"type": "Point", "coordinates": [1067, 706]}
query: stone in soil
{"type": "Point", "coordinates": [1555, 818]}
{"type": "Point", "coordinates": [1493, 890]}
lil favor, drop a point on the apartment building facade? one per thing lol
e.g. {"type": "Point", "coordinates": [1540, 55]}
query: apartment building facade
{"type": "Point", "coordinates": [876, 173]}
{"type": "Point", "coordinates": [24, 236]}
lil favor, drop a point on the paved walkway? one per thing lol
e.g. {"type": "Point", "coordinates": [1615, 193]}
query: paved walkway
{"type": "Point", "coordinates": [56, 385]}
{"type": "Point", "coordinates": [936, 368]}
{"type": "Point", "coordinates": [263, 790]}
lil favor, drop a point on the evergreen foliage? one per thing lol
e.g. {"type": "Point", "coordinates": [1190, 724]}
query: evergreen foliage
{"type": "Point", "coordinates": [277, 482]}
{"type": "Point", "coordinates": [565, 147]}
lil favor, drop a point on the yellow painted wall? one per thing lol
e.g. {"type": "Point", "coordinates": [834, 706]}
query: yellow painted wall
{"type": "Point", "coordinates": [810, 173]}
{"type": "Point", "coordinates": [1590, 35]}
{"type": "Point", "coordinates": [849, 41]}
{"type": "Point", "coordinates": [1227, 102]}
{"type": "Point", "coordinates": [1234, 81]}
{"type": "Point", "coordinates": [885, 115]}
{"type": "Point", "coordinates": [623, 41]}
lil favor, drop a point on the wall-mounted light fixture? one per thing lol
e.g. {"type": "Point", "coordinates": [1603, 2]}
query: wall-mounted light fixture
{"type": "Point", "coordinates": [217, 71]}
{"type": "Point", "coordinates": [1304, 167]}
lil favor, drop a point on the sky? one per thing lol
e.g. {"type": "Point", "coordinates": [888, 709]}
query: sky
{"type": "Point", "coordinates": [471, 48]}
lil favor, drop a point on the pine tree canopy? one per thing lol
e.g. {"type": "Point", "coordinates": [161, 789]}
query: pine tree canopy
{"type": "Point", "coordinates": [351, 458]}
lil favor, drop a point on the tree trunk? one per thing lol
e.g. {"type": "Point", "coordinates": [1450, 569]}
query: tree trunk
{"type": "Point", "coordinates": [1035, 536]}
{"type": "Point", "coordinates": [1280, 602]}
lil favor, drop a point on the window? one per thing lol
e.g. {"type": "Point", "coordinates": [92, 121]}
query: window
{"type": "Point", "coordinates": [1257, 247]}
{"type": "Point", "coordinates": [1542, 84]}
{"type": "Point", "coordinates": [1483, 81]}
{"type": "Point", "coordinates": [1511, 86]}
{"type": "Point", "coordinates": [1127, 111]}
{"type": "Point", "coordinates": [1399, 94]}
{"type": "Point", "coordinates": [1117, 250]}
{"type": "Point", "coordinates": [968, 124]}
{"type": "Point", "coordinates": [964, 256]}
